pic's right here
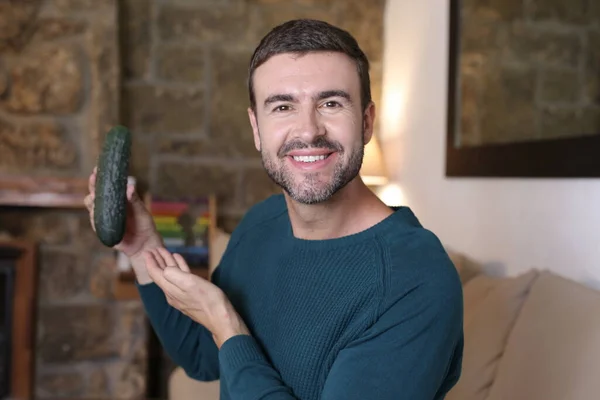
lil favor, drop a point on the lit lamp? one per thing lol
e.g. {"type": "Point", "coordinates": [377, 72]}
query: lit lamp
{"type": "Point", "coordinates": [373, 171]}
{"type": "Point", "coordinates": [373, 174]}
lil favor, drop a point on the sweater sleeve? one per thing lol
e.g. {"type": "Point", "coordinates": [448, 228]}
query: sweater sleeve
{"type": "Point", "coordinates": [413, 351]}
{"type": "Point", "coordinates": [189, 344]}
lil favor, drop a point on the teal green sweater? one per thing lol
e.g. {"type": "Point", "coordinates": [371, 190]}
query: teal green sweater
{"type": "Point", "coordinates": [375, 315]}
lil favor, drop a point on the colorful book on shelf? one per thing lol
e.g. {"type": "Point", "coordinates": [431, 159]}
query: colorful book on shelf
{"type": "Point", "coordinates": [184, 226]}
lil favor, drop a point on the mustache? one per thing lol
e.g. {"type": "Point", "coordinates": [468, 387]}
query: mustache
{"type": "Point", "coordinates": [319, 143]}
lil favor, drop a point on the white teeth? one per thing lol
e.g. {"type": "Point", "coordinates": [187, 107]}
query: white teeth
{"type": "Point", "coordinates": [309, 158]}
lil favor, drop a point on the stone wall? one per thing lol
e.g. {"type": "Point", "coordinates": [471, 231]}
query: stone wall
{"type": "Point", "coordinates": [176, 76]}
{"type": "Point", "coordinates": [59, 93]}
{"type": "Point", "coordinates": [185, 95]}
{"type": "Point", "coordinates": [529, 70]}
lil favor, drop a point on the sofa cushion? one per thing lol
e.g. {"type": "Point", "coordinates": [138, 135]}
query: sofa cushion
{"type": "Point", "coordinates": [553, 352]}
{"type": "Point", "coordinates": [467, 268]}
{"type": "Point", "coordinates": [491, 306]}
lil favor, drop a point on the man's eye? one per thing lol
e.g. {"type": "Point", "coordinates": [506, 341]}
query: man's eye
{"type": "Point", "coordinates": [332, 104]}
{"type": "Point", "coordinates": [281, 108]}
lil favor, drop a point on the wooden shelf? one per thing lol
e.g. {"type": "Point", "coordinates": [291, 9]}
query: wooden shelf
{"type": "Point", "coordinates": [43, 191]}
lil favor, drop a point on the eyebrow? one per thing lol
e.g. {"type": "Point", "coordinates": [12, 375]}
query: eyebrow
{"type": "Point", "coordinates": [320, 96]}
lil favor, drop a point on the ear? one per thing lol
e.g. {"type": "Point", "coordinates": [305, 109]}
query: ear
{"type": "Point", "coordinates": [254, 124]}
{"type": "Point", "coordinates": [368, 122]}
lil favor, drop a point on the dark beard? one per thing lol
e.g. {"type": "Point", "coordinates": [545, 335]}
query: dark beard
{"type": "Point", "coordinates": [310, 191]}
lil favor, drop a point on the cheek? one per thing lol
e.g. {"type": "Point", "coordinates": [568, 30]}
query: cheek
{"type": "Point", "coordinates": [273, 135]}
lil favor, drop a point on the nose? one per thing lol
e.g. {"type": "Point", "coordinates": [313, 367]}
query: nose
{"type": "Point", "coordinates": [309, 125]}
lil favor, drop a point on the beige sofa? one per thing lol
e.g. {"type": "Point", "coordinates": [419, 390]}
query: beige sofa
{"type": "Point", "coordinates": [535, 336]}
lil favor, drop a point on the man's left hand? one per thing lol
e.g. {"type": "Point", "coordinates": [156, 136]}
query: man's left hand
{"type": "Point", "coordinates": [194, 296]}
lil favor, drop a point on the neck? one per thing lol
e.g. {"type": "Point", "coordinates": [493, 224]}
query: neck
{"type": "Point", "coordinates": [351, 210]}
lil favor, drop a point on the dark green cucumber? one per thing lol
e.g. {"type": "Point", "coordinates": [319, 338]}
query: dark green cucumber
{"type": "Point", "coordinates": [110, 203]}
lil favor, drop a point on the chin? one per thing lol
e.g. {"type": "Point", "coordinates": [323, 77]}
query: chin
{"type": "Point", "coordinates": [311, 194]}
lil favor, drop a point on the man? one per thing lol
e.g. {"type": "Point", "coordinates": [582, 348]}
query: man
{"type": "Point", "coordinates": [323, 292]}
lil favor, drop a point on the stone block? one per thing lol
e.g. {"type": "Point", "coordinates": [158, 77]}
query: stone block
{"type": "Point", "coordinates": [142, 151]}
{"type": "Point", "coordinates": [159, 109]}
{"type": "Point", "coordinates": [482, 36]}
{"type": "Point", "coordinates": [46, 227]}
{"type": "Point", "coordinates": [187, 181]}
{"type": "Point", "coordinates": [181, 64]}
{"type": "Point", "coordinates": [226, 144]}
{"type": "Point", "coordinates": [98, 386]}
{"type": "Point", "coordinates": [130, 375]}
{"type": "Point", "coordinates": [35, 146]}
{"type": "Point", "coordinates": [135, 23]}
{"type": "Point", "coordinates": [63, 275]}
{"type": "Point", "coordinates": [563, 86]}
{"type": "Point", "coordinates": [103, 55]}
{"type": "Point", "coordinates": [364, 20]}
{"type": "Point", "coordinates": [56, 28]}
{"type": "Point", "coordinates": [86, 237]}
{"type": "Point", "coordinates": [3, 80]}
{"type": "Point", "coordinates": [257, 186]}
{"type": "Point", "coordinates": [592, 67]}
{"type": "Point", "coordinates": [204, 24]}
{"type": "Point", "coordinates": [50, 80]}
{"type": "Point", "coordinates": [57, 384]}
{"type": "Point", "coordinates": [535, 46]}
{"type": "Point", "coordinates": [17, 23]}
{"type": "Point", "coordinates": [559, 122]}
{"type": "Point", "coordinates": [102, 277]}
{"type": "Point", "coordinates": [84, 5]}
{"type": "Point", "coordinates": [81, 332]}
{"type": "Point", "coordinates": [590, 120]}
{"type": "Point", "coordinates": [568, 12]}
{"type": "Point", "coordinates": [230, 127]}
{"type": "Point", "coordinates": [594, 13]}
{"type": "Point", "coordinates": [131, 318]}
{"type": "Point", "coordinates": [494, 10]}
{"type": "Point", "coordinates": [267, 16]}
{"type": "Point", "coordinates": [312, 3]}
{"type": "Point", "coordinates": [507, 107]}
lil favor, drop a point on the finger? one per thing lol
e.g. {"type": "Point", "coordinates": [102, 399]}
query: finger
{"type": "Point", "coordinates": [168, 257]}
{"type": "Point", "coordinates": [181, 262]}
{"type": "Point", "coordinates": [130, 191]}
{"type": "Point", "coordinates": [92, 180]}
{"type": "Point", "coordinates": [161, 263]}
{"type": "Point", "coordinates": [137, 204]}
{"type": "Point", "coordinates": [182, 280]}
{"type": "Point", "coordinates": [89, 204]}
{"type": "Point", "coordinates": [158, 276]}
{"type": "Point", "coordinates": [153, 268]}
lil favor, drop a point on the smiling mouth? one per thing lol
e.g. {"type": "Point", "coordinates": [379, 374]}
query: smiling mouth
{"type": "Point", "coordinates": [311, 159]}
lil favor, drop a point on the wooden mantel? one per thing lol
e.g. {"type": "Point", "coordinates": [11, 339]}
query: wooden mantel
{"type": "Point", "coordinates": [43, 191]}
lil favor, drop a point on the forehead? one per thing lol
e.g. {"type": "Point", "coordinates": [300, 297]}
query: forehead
{"type": "Point", "coordinates": [308, 73]}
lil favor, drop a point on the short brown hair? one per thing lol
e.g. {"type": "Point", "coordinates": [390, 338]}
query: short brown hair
{"type": "Point", "coordinates": [301, 36]}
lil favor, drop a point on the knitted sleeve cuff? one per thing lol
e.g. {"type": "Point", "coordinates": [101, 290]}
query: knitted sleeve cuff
{"type": "Point", "coordinates": [239, 351]}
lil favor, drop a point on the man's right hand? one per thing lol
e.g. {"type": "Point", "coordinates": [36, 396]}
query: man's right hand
{"type": "Point", "coordinates": [140, 231]}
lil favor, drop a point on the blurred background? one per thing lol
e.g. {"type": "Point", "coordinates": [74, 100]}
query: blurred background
{"type": "Point", "coordinates": [175, 73]}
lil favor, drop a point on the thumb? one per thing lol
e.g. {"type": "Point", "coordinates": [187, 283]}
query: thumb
{"type": "Point", "coordinates": [134, 199]}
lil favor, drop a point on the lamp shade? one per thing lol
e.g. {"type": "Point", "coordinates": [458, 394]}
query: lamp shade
{"type": "Point", "coordinates": [373, 171]}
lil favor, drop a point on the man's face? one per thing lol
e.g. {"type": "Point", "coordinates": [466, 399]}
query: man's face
{"type": "Point", "coordinates": [309, 125]}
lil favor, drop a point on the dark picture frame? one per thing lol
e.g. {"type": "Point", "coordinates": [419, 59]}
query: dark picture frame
{"type": "Point", "coordinates": [577, 157]}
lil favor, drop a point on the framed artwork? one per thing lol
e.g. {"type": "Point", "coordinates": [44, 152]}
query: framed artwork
{"type": "Point", "coordinates": [524, 89]}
